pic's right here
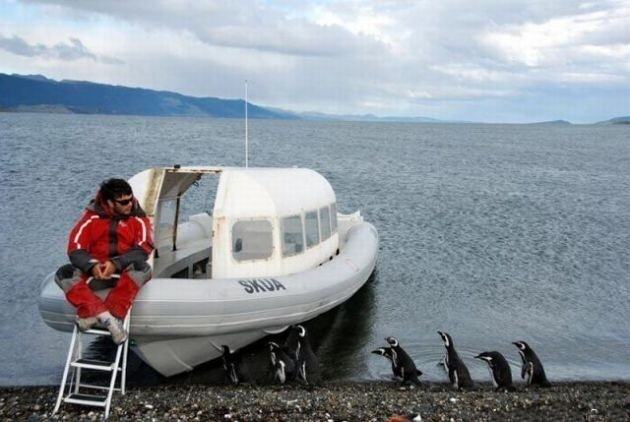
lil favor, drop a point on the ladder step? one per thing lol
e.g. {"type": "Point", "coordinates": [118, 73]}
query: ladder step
{"type": "Point", "coordinates": [86, 399]}
{"type": "Point", "coordinates": [97, 331]}
{"type": "Point", "coordinates": [98, 387]}
{"type": "Point", "coordinates": [98, 365]}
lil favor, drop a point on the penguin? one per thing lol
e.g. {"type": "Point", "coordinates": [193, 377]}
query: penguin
{"type": "Point", "coordinates": [455, 368]}
{"type": "Point", "coordinates": [306, 360]}
{"type": "Point", "coordinates": [230, 365]}
{"type": "Point", "coordinates": [499, 370]}
{"type": "Point", "coordinates": [532, 367]}
{"type": "Point", "coordinates": [403, 363]}
{"type": "Point", "coordinates": [282, 363]}
{"type": "Point", "coordinates": [387, 353]}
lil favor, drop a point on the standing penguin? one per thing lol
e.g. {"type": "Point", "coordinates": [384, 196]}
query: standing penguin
{"type": "Point", "coordinates": [306, 360]}
{"type": "Point", "coordinates": [388, 353]}
{"type": "Point", "coordinates": [532, 367]}
{"type": "Point", "coordinates": [402, 363]}
{"type": "Point", "coordinates": [499, 370]}
{"type": "Point", "coordinates": [230, 365]}
{"type": "Point", "coordinates": [282, 363]}
{"type": "Point", "coordinates": [455, 368]}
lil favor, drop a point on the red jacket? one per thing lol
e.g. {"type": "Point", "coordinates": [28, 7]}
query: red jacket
{"type": "Point", "coordinates": [100, 235]}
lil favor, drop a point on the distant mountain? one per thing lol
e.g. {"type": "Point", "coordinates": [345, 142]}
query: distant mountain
{"type": "Point", "coordinates": [623, 120]}
{"type": "Point", "coordinates": [552, 123]}
{"type": "Point", "coordinates": [313, 115]}
{"type": "Point", "coordinates": [38, 93]}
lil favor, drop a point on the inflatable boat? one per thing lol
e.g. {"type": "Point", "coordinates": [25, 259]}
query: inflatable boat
{"type": "Point", "coordinates": [274, 252]}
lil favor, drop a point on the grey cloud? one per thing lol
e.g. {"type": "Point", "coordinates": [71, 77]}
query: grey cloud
{"type": "Point", "coordinates": [298, 39]}
{"type": "Point", "coordinates": [232, 24]}
{"type": "Point", "coordinates": [17, 45]}
{"type": "Point", "coordinates": [74, 50]}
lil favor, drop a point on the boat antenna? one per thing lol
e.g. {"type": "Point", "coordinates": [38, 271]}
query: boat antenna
{"type": "Point", "coordinates": [246, 138]}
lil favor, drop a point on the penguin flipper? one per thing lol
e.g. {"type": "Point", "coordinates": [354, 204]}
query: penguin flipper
{"type": "Point", "coordinates": [527, 366]}
{"type": "Point", "coordinates": [234, 375]}
{"type": "Point", "coordinates": [302, 372]}
{"type": "Point", "coordinates": [455, 380]}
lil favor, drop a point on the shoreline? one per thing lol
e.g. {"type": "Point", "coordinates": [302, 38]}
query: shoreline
{"type": "Point", "coordinates": [335, 401]}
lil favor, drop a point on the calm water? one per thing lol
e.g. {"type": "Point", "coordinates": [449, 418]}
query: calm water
{"type": "Point", "coordinates": [493, 233]}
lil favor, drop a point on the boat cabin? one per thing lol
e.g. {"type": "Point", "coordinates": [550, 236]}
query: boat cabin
{"type": "Point", "coordinates": [265, 222]}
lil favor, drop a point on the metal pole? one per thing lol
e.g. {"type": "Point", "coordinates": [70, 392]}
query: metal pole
{"type": "Point", "coordinates": [246, 134]}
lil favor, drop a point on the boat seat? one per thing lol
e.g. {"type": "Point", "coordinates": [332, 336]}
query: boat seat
{"type": "Point", "coordinates": [183, 259]}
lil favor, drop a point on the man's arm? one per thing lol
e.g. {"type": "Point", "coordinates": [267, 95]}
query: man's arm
{"type": "Point", "coordinates": [78, 244]}
{"type": "Point", "coordinates": [134, 255]}
{"type": "Point", "coordinates": [141, 250]}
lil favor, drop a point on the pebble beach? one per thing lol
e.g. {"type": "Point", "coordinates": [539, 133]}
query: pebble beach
{"type": "Point", "coordinates": [370, 401]}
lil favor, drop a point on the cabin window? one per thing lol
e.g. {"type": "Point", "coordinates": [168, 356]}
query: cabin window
{"type": "Point", "coordinates": [165, 224]}
{"type": "Point", "coordinates": [292, 236]}
{"type": "Point", "coordinates": [333, 214]}
{"type": "Point", "coordinates": [312, 229]}
{"type": "Point", "coordinates": [324, 221]}
{"type": "Point", "coordinates": [252, 239]}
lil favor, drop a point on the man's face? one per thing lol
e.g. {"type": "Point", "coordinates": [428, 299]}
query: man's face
{"type": "Point", "coordinates": [122, 205]}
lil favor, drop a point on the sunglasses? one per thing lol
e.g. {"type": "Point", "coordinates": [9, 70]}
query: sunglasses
{"type": "Point", "coordinates": [123, 202]}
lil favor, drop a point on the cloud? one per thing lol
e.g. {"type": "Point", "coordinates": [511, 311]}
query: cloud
{"type": "Point", "coordinates": [347, 56]}
{"type": "Point", "coordinates": [74, 50]}
{"type": "Point", "coordinates": [257, 26]}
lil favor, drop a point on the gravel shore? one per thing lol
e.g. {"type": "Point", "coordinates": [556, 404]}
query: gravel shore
{"type": "Point", "coordinates": [370, 401]}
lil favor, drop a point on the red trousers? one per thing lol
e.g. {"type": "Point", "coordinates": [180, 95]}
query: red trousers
{"type": "Point", "coordinates": [117, 302]}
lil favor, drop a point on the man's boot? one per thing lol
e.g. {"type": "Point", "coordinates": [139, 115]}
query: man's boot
{"type": "Point", "coordinates": [115, 327]}
{"type": "Point", "coordinates": [84, 324]}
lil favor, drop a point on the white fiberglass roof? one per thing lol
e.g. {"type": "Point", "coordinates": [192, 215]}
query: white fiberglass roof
{"type": "Point", "coordinates": [254, 192]}
{"type": "Point", "coordinates": [242, 192]}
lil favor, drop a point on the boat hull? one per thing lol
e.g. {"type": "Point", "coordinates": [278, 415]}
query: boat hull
{"type": "Point", "coordinates": [178, 324]}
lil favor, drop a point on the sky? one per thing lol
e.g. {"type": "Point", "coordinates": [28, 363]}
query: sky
{"type": "Point", "coordinates": [485, 60]}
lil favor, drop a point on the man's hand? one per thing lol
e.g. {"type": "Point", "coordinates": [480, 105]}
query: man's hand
{"type": "Point", "coordinates": [97, 272]}
{"type": "Point", "coordinates": [107, 269]}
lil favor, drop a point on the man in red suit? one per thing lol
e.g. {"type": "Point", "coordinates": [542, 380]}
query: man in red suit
{"type": "Point", "coordinates": [112, 238]}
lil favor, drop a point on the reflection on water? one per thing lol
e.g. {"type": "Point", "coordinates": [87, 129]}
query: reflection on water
{"type": "Point", "coordinates": [346, 334]}
{"type": "Point", "coordinates": [336, 336]}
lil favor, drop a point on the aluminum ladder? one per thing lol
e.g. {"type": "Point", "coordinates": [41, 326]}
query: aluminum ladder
{"type": "Point", "coordinates": [72, 391]}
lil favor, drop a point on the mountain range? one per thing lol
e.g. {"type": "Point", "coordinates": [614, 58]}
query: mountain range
{"type": "Point", "coordinates": [37, 93]}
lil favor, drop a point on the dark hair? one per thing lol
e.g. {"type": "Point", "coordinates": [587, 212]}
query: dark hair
{"type": "Point", "coordinates": [115, 188]}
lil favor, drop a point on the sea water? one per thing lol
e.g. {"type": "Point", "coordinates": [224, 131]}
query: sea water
{"type": "Point", "coordinates": [493, 233]}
